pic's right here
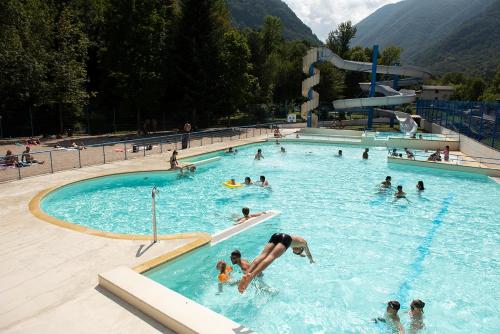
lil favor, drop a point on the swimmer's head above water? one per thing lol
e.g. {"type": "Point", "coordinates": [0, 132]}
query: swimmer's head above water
{"type": "Point", "coordinates": [393, 306]}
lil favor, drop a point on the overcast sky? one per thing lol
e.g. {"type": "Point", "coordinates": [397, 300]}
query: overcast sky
{"type": "Point", "coordinates": [323, 16]}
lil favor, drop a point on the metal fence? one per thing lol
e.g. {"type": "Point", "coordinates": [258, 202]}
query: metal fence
{"type": "Point", "coordinates": [18, 166]}
{"type": "Point", "coordinates": [477, 120]}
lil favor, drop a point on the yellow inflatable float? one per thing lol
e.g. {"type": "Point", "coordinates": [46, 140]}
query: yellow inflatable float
{"type": "Point", "coordinates": [232, 184]}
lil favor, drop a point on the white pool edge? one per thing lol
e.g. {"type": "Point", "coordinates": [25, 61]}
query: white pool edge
{"type": "Point", "coordinates": [169, 308]}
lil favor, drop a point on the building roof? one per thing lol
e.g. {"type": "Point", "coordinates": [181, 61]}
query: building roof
{"type": "Point", "coordinates": [450, 88]}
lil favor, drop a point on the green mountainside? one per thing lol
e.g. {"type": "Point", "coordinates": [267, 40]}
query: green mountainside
{"type": "Point", "coordinates": [446, 35]}
{"type": "Point", "coordinates": [251, 14]}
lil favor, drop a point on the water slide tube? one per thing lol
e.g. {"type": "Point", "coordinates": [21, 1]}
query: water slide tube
{"type": "Point", "coordinates": [392, 97]}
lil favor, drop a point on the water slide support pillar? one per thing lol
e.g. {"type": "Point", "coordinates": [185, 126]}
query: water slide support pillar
{"type": "Point", "coordinates": [372, 85]}
{"type": "Point", "coordinates": [310, 97]}
{"type": "Point", "coordinates": [395, 86]}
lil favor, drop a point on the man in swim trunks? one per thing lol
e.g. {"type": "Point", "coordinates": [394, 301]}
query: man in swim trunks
{"type": "Point", "coordinates": [400, 193]}
{"type": "Point", "coordinates": [259, 155]}
{"type": "Point", "coordinates": [263, 182]}
{"type": "Point", "coordinates": [238, 261]}
{"type": "Point", "coordinates": [275, 247]}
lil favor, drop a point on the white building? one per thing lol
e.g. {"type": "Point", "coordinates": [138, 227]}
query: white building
{"type": "Point", "coordinates": [436, 92]}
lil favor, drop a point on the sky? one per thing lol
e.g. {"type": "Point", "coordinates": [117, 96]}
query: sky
{"type": "Point", "coordinates": [323, 16]}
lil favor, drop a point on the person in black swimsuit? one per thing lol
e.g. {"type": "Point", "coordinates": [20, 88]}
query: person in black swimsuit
{"type": "Point", "coordinates": [275, 247]}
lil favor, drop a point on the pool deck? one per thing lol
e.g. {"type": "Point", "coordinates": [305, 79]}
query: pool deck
{"type": "Point", "coordinates": [48, 281]}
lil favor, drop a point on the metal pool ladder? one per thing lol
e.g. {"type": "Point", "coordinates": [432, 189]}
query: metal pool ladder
{"type": "Point", "coordinates": [153, 195]}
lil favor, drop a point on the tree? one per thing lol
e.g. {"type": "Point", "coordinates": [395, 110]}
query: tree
{"type": "Point", "coordinates": [492, 93]}
{"type": "Point", "coordinates": [68, 67]}
{"type": "Point", "coordinates": [338, 40]}
{"type": "Point", "coordinates": [391, 55]}
{"type": "Point", "coordinates": [235, 80]}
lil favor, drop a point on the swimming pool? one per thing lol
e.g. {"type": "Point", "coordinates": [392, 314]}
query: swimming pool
{"type": "Point", "coordinates": [443, 247]}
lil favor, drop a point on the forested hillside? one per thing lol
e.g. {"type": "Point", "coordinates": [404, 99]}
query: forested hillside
{"type": "Point", "coordinates": [432, 31]}
{"type": "Point", "coordinates": [251, 14]}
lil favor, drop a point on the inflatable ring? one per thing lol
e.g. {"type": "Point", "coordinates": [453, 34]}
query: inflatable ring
{"type": "Point", "coordinates": [229, 185]}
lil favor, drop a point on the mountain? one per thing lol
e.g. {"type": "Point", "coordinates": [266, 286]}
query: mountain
{"type": "Point", "coordinates": [251, 14]}
{"type": "Point", "coordinates": [433, 33]}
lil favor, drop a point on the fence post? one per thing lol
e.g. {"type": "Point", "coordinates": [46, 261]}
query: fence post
{"type": "Point", "coordinates": [51, 165]}
{"type": "Point", "coordinates": [201, 141]}
{"type": "Point", "coordinates": [144, 149]}
{"type": "Point", "coordinates": [18, 173]}
{"type": "Point", "coordinates": [125, 150]}
{"type": "Point", "coordinates": [211, 139]}
{"type": "Point", "coordinates": [79, 158]}
{"type": "Point", "coordinates": [161, 147]}
{"type": "Point", "coordinates": [103, 155]}
{"type": "Point", "coordinates": [253, 132]}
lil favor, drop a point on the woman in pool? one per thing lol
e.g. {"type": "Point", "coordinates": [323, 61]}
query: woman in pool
{"type": "Point", "coordinates": [417, 315]}
{"type": "Point", "coordinates": [420, 186]}
{"type": "Point", "coordinates": [248, 181]}
{"type": "Point", "coordinates": [275, 247]}
{"type": "Point", "coordinates": [259, 155]}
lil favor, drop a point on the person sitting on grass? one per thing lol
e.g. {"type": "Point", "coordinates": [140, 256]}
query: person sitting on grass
{"type": "Point", "coordinates": [275, 247]}
{"type": "Point", "coordinates": [174, 164]}
{"type": "Point", "coordinates": [391, 317]}
{"type": "Point", "coordinates": [365, 153]}
{"type": "Point", "coordinates": [247, 215]}
{"type": "Point", "coordinates": [28, 158]}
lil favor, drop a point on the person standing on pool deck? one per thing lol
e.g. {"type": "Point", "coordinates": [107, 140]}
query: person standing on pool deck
{"type": "Point", "coordinates": [416, 315]}
{"type": "Point", "coordinates": [365, 153]}
{"type": "Point", "coordinates": [174, 164]}
{"type": "Point", "coordinates": [391, 316]}
{"type": "Point", "coordinates": [275, 247]}
{"type": "Point", "coordinates": [238, 261]}
{"type": "Point", "coordinates": [259, 155]}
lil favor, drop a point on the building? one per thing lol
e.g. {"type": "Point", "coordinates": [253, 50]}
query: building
{"type": "Point", "coordinates": [436, 92]}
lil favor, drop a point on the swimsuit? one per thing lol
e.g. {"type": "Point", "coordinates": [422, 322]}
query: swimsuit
{"type": "Point", "coordinates": [281, 238]}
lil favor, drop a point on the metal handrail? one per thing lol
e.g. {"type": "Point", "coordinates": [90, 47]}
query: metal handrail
{"type": "Point", "coordinates": [154, 191]}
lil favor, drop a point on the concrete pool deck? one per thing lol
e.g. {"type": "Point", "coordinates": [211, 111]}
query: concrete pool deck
{"type": "Point", "coordinates": [49, 274]}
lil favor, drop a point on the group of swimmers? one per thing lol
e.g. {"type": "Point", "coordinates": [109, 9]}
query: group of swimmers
{"type": "Point", "coordinates": [392, 319]}
{"type": "Point", "coordinates": [386, 184]}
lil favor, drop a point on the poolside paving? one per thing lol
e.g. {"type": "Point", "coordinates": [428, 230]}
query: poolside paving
{"type": "Point", "coordinates": [48, 280]}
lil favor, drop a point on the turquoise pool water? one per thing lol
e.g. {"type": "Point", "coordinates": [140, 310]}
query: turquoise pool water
{"type": "Point", "coordinates": [443, 247]}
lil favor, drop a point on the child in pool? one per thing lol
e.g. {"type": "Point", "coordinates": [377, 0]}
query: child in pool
{"type": "Point", "coordinates": [224, 271]}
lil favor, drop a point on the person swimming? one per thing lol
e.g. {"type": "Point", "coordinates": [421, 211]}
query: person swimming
{"type": "Point", "coordinates": [386, 183]}
{"type": "Point", "coordinates": [409, 154]}
{"type": "Point", "coordinates": [365, 153]}
{"type": "Point", "coordinates": [275, 247]}
{"type": "Point", "coordinates": [400, 193]}
{"type": "Point", "coordinates": [224, 271]}
{"type": "Point", "coordinates": [248, 181]}
{"type": "Point", "coordinates": [416, 315]}
{"type": "Point", "coordinates": [247, 215]}
{"type": "Point", "coordinates": [391, 317]}
{"type": "Point", "coordinates": [238, 261]}
{"type": "Point", "coordinates": [259, 155]}
{"type": "Point", "coordinates": [339, 154]}
{"type": "Point", "coordinates": [283, 149]}
{"type": "Point", "coordinates": [263, 182]}
{"type": "Point", "coordinates": [420, 186]}
{"type": "Point", "coordinates": [230, 150]}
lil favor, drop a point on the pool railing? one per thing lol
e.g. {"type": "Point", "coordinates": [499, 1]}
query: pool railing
{"type": "Point", "coordinates": [458, 160]}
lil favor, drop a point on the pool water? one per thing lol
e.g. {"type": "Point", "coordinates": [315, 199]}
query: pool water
{"type": "Point", "coordinates": [442, 247]}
